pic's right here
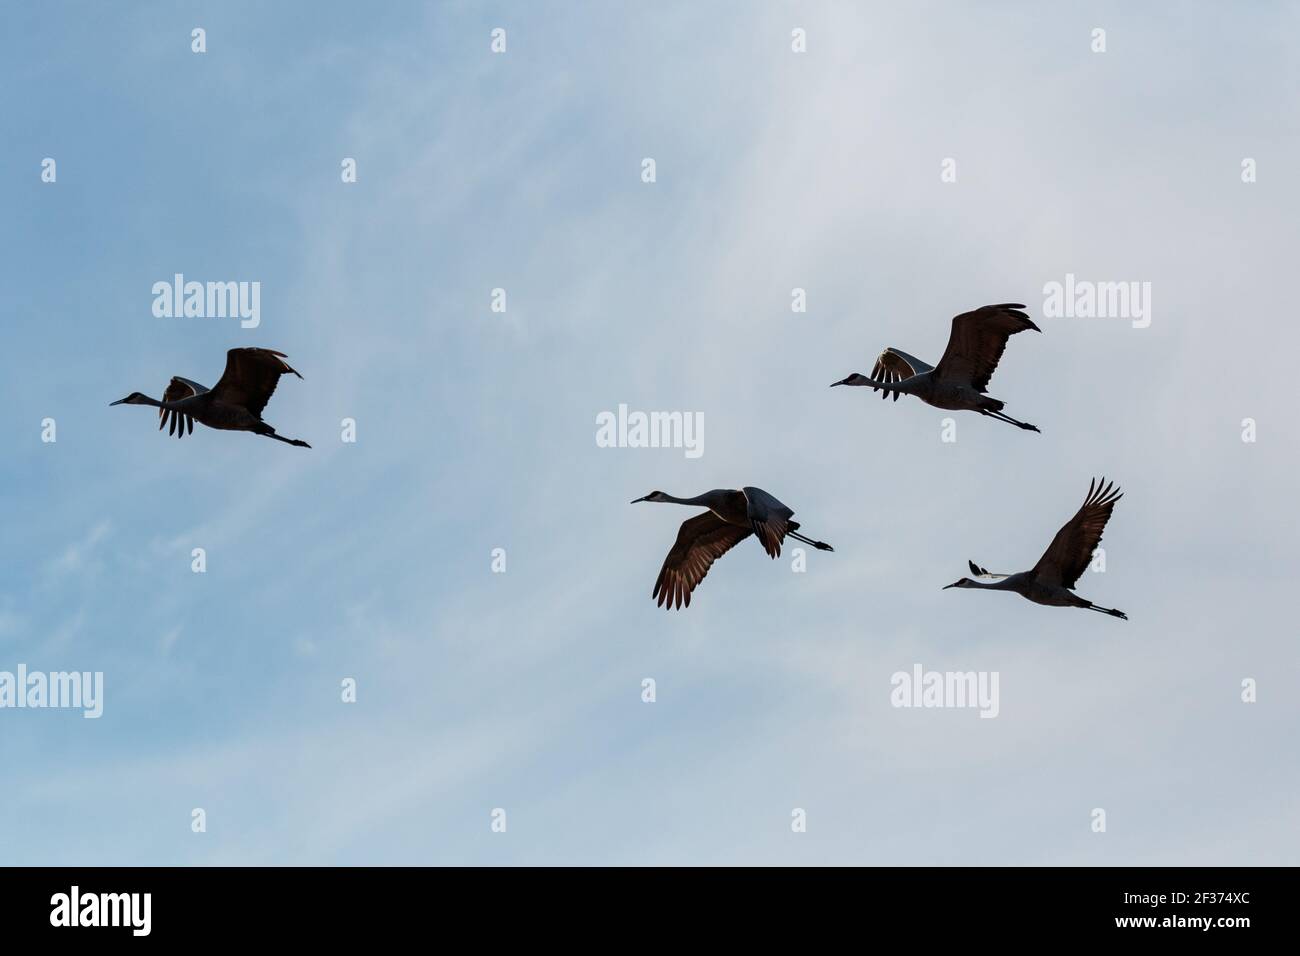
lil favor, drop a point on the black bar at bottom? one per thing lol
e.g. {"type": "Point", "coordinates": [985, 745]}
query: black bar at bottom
{"type": "Point", "coordinates": [377, 904]}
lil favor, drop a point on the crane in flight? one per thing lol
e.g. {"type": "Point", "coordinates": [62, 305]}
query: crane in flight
{"type": "Point", "coordinates": [1051, 581]}
{"type": "Point", "coordinates": [960, 380]}
{"type": "Point", "coordinates": [235, 403]}
{"type": "Point", "coordinates": [732, 517]}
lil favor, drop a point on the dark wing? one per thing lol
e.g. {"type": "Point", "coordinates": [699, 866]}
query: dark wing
{"type": "Point", "coordinates": [770, 519]}
{"type": "Point", "coordinates": [893, 365]}
{"type": "Point", "coordinates": [1070, 551]}
{"type": "Point", "coordinates": [180, 423]}
{"type": "Point", "coordinates": [977, 341]}
{"type": "Point", "coordinates": [701, 541]}
{"type": "Point", "coordinates": [250, 378]}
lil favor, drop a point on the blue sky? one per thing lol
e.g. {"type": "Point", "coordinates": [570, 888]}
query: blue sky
{"type": "Point", "coordinates": [476, 431]}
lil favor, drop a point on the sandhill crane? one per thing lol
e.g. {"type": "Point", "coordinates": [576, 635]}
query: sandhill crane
{"type": "Point", "coordinates": [958, 382]}
{"type": "Point", "coordinates": [235, 403]}
{"type": "Point", "coordinates": [1051, 581]}
{"type": "Point", "coordinates": [732, 517]}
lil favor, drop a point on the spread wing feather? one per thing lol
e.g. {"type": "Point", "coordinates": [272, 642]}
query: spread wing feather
{"type": "Point", "coordinates": [977, 341]}
{"type": "Point", "coordinates": [178, 423]}
{"type": "Point", "coordinates": [894, 365]}
{"type": "Point", "coordinates": [700, 541]}
{"type": "Point", "coordinates": [1070, 552]}
{"type": "Point", "coordinates": [251, 376]}
{"type": "Point", "coordinates": [769, 518]}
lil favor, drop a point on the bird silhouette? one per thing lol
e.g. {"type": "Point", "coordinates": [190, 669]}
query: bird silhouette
{"type": "Point", "coordinates": [732, 517]}
{"type": "Point", "coordinates": [959, 381]}
{"type": "Point", "coordinates": [1051, 581]}
{"type": "Point", "coordinates": [235, 403]}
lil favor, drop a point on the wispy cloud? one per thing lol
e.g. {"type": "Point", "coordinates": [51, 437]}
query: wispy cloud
{"type": "Point", "coordinates": [76, 557]}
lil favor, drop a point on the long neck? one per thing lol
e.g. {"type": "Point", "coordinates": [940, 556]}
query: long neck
{"type": "Point", "coordinates": [1005, 584]}
{"type": "Point", "coordinates": [703, 501]}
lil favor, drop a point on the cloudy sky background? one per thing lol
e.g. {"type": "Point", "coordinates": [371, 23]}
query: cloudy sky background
{"type": "Point", "coordinates": [477, 431]}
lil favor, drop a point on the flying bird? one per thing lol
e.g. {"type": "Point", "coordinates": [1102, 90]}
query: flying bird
{"type": "Point", "coordinates": [959, 381]}
{"type": "Point", "coordinates": [1051, 581]}
{"type": "Point", "coordinates": [235, 403]}
{"type": "Point", "coordinates": [732, 517]}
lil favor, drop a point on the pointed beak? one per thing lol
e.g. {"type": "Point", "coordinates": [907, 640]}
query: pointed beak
{"type": "Point", "coordinates": [635, 500]}
{"type": "Point", "coordinates": [833, 384]}
{"type": "Point", "coordinates": [118, 402]}
{"type": "Point", "coordinates": [947, 586]}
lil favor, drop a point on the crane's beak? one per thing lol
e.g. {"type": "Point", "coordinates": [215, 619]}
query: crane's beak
{"type": "Point", "coordinates": [118, 402]}
{"type": "Point", "coordinates": [635, 500]}
{"type": "Point", "coordinates": [843, 381]}
{"type": "Point", "coordinates": [947, 586]}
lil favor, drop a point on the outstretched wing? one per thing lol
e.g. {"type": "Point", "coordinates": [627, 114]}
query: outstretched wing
{"type": "Point", "coordinates": [250, 377]}
{"type": "Point", "coordinates": [179, 423]}
{"type": "Point", "coordinates": [977, 341]}
{"type": "Point", "coordinates": [893, 365]}
{"type": "Point", "coordinates": [1068, 555]}
{"type": "Point", "coordinates": [701, 541]}
{"type": "Point", "coordinates": [769, 518]}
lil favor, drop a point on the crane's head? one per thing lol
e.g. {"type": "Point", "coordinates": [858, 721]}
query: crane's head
{"type": "Point", "coordinates": [135, 398]}
{"type": "Point", "coordinates": [653, 496]}
{"type": "Point", "coordinates": [857, 378]}
{"type": "Point", "coordinates": [963, 583]}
